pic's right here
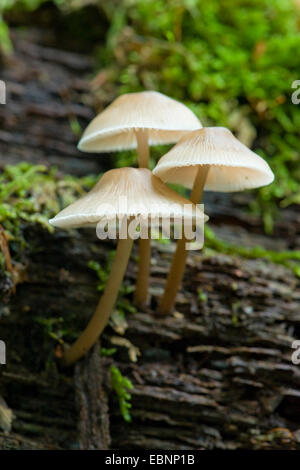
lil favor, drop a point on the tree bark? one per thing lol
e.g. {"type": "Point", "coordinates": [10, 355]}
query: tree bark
{"type": "Point", "coordinates": [216, 374]}
{"type": "Point", "coordinates": [92, 404]}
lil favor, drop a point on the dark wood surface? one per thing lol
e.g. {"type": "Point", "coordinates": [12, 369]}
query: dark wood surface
{"type": "Point", "coordinates": [46, 90]}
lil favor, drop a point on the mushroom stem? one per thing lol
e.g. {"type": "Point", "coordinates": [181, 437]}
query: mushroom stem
{"type": "Point", "coordinates": [142, 282]}
{"type": "Point", "coordinates": [143, 147]}
{"type": "Point", "coordinates": [179, 260]}
{"type": "Point", "coordinates": [105, 305]}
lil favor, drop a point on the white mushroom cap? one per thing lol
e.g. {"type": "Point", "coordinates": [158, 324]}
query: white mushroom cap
{"type": "Point", "coordinates": [130, 192]}
{"type": "Point", "coordinates": [233, 166]}
{"type": "Point", "coordinates": [165, 118]}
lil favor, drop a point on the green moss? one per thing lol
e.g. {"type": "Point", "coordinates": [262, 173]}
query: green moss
{"type": "Point", "coordinates": [202, 296]}
{"type": "Point", "coordinates": [233, 62]}
{"type": "Point", "coordinates": [108, 351]}
{"type": "Point", "coordinates": [6, 5]}
{"type": "Point", "coordinates": [32, 193]}
{"type": "Point", "coordinates": [288, 258]}
{"type": "Point", "coordinates": [123, 304]}
{"type": "Point", "coordinates": [53, 328]}
{"type": "Point", "coordinates": [120, 385]}
{"type": "Point", "coordinates": [5, 42]}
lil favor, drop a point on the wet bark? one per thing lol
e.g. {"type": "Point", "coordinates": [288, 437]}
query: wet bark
{"type": "Point", "coordinates": [48, 105]}
{"type": "Point", "coordinates": [215, 374]}
{"type": "Point", "coordinates": [92, 403]}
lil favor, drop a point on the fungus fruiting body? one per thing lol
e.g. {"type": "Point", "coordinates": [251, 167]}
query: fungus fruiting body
{"type": "Point", "coordinates": [120, 196]}
{"type": "Point", "coordinates": [207, 159]}
{"type": "Point", "coordinates": [137, 120]}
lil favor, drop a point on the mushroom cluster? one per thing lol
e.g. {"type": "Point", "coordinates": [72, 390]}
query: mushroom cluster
{"type": "Point", "coordinates": [137, 120]}
{"type": "Point", "coordinates": [132, 120]}
{"type": "Point", "coordinates": [203, 158]}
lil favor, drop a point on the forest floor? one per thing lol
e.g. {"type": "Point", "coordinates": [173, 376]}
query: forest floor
{"type": "Point", "coordinates": [217, 373]}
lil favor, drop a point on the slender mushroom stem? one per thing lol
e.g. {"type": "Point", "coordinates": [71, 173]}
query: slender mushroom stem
{"type": "Point", "coordinates": [143, 147]}
{"type": "Point", "coordinates": [105, 305]}
{"type": "Point", "coordinates": [142, 283]}
{"type": "Point", "coordinates": [179, 260]}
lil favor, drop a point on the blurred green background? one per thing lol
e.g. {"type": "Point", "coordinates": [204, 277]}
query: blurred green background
{"type": "Point", "coordinates": [232, 62]}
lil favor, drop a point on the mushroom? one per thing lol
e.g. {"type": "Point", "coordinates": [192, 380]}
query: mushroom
{"type": "Point", "coordinates": [213, 159]}
{"type": "Point", "coordinates": [137, 120]}
{"type": "Point", "coordinates": [122, 195]}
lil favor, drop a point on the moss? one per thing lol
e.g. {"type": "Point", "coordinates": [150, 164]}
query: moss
{"type": "Point", "coordinates": [120, 385]}
{"type": "Point", "coordinates": [33, 194]}
{"type": "Point", "coordinates": [288, 258]}
{"type": "Point", "coordinates": [233, 62]}
{"type": "Point", "coordinates": [106, 352]}
{"type": "Point", "coordinates": [53, 328]}
{"type": "Point", "coordinates": [123, 304]}
{"type": "Point", "coordinates": [202, 296]}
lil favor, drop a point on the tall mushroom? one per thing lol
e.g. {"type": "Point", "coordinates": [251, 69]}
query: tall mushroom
{"type": "Point", "coordinates": [139, 120]}
{"type": "Point", "coordinates": [121, 194]}
{"type": "Point", "coordinates": [213, 159]}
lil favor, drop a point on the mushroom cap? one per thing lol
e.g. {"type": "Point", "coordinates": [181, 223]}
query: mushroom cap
{"type": "Point", "coordinates": [233, 166]}
{"type": "Point", "coordinates": [130, 192]}
{"type": "Point", "coordinates": [114, 129]}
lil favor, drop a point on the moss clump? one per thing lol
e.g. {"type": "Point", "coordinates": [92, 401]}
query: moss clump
{"type": "Point", "coordinates": [33, 194]}
{"type": "Point", "coordinates": [120, 385]}
{"type": "Point", "coordinates": [287, 258]}
{"type": "Point", "coordinates": [233, 62]}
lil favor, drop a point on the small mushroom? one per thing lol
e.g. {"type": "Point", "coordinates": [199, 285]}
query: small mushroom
{"type": "Point", "coordinates": [135, 120]}
{"type": "Point", "coordinates": [139, 120]}
{"type": "Point", "coordinates": [121, 194]}
{"type": "Point", "coordinates": [213, 159]}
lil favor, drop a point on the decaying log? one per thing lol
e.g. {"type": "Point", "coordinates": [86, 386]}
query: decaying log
{"type": "Point", "coordinates": [93, 418]}
{"type": "Point", "coordinates": [216, 374]}
{"type": "Point", "coordinates": [46, 96]}
{"type": "Point", "coordinates": [43, 406]}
